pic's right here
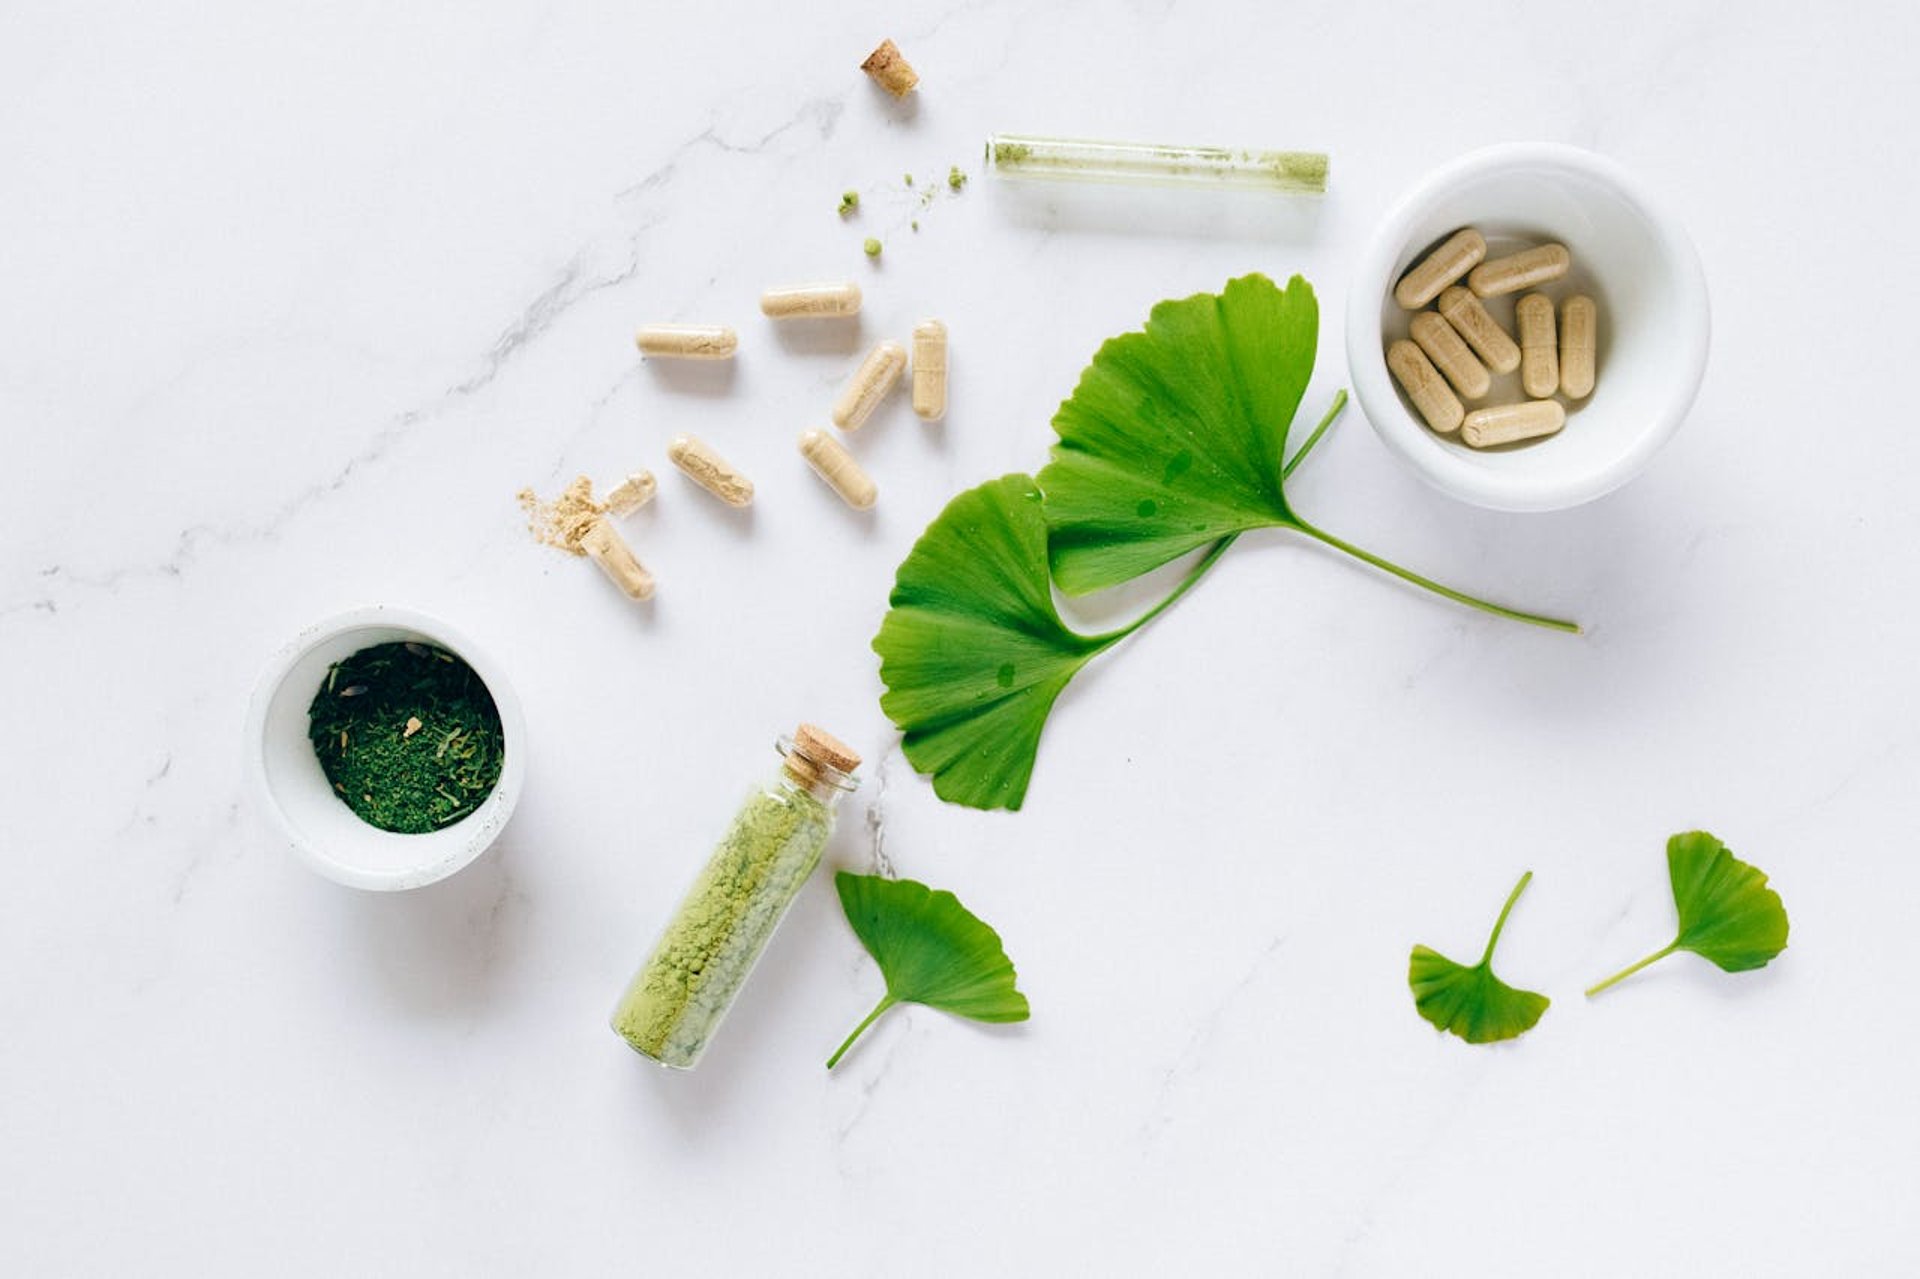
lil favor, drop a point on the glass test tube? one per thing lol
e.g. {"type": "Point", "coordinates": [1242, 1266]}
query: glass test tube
{"type": "Point", "coordinates": [1022, 156]}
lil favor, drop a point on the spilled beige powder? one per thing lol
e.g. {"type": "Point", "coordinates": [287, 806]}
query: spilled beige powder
{"type": "Point", "coordinates": [563, 522]}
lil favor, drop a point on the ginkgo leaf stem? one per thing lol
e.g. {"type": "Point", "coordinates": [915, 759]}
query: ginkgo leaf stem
{"type": "Point", "coordinates": [1194, 574]}
{"type": "Point", "coordinates": [1494, 939]}
{"type": "Point", "coordinates": [1631, 969]}
{"type": "Point", "coordinates": [1408, 575]}
{"type": "Point", "coordinates": [1333, 411]}
{"type": "Point", "coordinates": [884, 1004]}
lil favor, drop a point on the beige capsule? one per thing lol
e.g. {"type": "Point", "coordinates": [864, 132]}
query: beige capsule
{"type": "Point", "coordinates": [831, 462]}
{"type": "Point", "coordinates": [617, 560]}
{"type": "Point", "coordinates": [1519, 271]}
{"type": "Point", "coordinates": [709, 470]}
{"type": "Point", "coordinates": [869, 385]}
{"type": "Point", "coordinates": [1450, 355]}
{"type": "Point", "coordinates": [1510, 423]}
{"type": "Point", "coordinates": [630, 494]}
{"type": "Point", "coordinates": [1425, 387]}
{"type": "Point", "coordinates": [1453, 259]}
{"type": "Point", "coordinates": [1539, 352]}
{"type": "Point", "coordinates": [1481, 331]}
{"type": "Point", "coordinates": [930, 370]}
{"type": "Point", "coordinates": [687, 341]}
{"type": "Point", "coordinates": [1579, 334]}
{"type": "Point", "coordinates": [811, 301]}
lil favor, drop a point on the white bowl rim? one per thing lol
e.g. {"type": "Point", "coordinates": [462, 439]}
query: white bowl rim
{"type": "Point", "coordinates": [1408, 438]}
{"type": "Point", "coordinates": [512, 727]}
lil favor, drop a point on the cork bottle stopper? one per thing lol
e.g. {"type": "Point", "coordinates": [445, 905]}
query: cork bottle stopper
{"type": "Point", "coordinates": [819, 746]}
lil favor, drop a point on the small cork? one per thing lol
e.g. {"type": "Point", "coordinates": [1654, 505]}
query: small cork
{"type": "Point", "coordinates": [891, 70]}
{"type": "Point", "coordinates": [821, 747]}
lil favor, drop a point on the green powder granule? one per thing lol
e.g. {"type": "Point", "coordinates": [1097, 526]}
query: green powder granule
{"type": "Point", "coordinates": [673, 1004]}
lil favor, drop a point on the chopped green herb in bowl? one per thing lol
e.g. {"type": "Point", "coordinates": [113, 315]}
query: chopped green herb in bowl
{"type": "Point", "coordinates": [408, 736]}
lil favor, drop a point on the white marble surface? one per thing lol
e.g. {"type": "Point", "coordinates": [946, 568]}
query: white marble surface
{"type": "Point", "coordinates": [294, 298]}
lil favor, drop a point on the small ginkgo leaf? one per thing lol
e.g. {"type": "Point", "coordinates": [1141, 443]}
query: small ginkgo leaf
{"type": "Point", "coordinates": [972, 649]}
{"type": "Point", "coordinates": [931, 950]}
{"type": "Point", "coordinates": [1471, 1002]}
{"type": "Point", "coordinates": [1728, 915]}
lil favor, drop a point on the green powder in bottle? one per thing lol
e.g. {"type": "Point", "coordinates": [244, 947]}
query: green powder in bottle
{"type": "Point", "coordinates": [676, 1001]}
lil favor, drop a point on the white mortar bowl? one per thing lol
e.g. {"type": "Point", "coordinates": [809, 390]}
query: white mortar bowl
{"type": "Point", "coordinates": [1628, 252]}
{"type": "Point", "coordinates": [287, 781]}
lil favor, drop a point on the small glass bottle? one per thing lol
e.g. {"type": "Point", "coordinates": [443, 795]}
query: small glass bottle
{"type": "Point", "coordinates": [676, 1001]}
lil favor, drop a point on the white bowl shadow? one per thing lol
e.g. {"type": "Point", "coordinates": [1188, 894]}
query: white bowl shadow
{"type": "Point", "coordinates": [286, 779]}
{"type": "Point", "coordinates": [1630, 254]}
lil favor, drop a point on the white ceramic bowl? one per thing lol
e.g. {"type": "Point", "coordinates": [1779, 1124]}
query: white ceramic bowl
{"type": "Point", "coordinates": [288, 783]}
{"type": "Point", "coordinates": [1628, 252]}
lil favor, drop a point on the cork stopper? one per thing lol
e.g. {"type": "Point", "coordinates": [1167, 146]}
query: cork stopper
{"type": "Point", "coordinates": [823, 748]}
{"type": "Point", "coordinates": [891, 70]}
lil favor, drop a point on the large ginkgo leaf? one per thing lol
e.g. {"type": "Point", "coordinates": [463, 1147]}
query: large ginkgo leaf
{"type": "Point", "coordinates": [1174, 436]}
{"type": "Point", "coordinates": [973, 651]}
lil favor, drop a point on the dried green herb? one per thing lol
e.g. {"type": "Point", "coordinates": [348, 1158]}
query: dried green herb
{"type": "Point", "coordinates": [408, 736]}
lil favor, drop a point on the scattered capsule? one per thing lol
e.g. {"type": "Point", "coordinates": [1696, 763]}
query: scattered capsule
{"type": "Point", "coordinates": [1453, 259]}
{"type": "Point", "coordinates": [709, 470]}
{"type": "Point", "coordinates": [1579, 329]}
{"type": "Point", "coordinates": [1425, 387]}
{"type": "Point", "coordinates": [831, 462]}
{"type": "Point", "coordinates": [1539, 353]}
{"type": "Point", "coordinates": [616, 559]}
{"type": "Point", "coordinates": [1508, 423]}
{"type": "Point", "coordinates": [1450, 355]}
{"type": "Point", "coordinates": [1519, 271]}
{"type": "Point", "coordinates": [630, 494]}
{"type": "Point", "coordinates": [930, 369]}
{"type": "Point", "coordinates": [811, 301]}
{"type": "Point", "coordinates": [687, 341]}
{"type": "Point", "coordinates": [1481, 331]}
{"type": "Point", "coordinates": [869, 385]}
